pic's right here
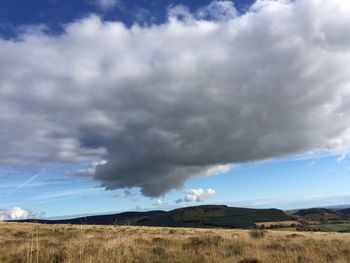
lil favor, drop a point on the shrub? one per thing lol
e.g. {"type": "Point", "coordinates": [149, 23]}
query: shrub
{"type": "Point", "coordinates": [161, 241]}
{"type": "Point", "coordinates": [200, 242]}
{"type": "Point", "coordinates": [236, 248]}
{"type": "Point", "coordinates": [257, 234]}
{"type": "Point", "coordinates": [159, 251]}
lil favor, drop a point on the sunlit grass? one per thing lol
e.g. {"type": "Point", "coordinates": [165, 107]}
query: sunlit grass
{"type": "Point", "coordinates": [82, 243]}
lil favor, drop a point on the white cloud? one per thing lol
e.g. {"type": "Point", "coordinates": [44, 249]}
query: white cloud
{"type": "Point", "coordinates": [198, 195]}
{"type": "Point", "coordinates": [158, 202]}
{"type": "Point", "coordinates": [218, 10]}
{"type": "Point", "coordinates": [341, 158]}
{"type": "Point", "coordinates": [30, 179]}
{"type": "Point", "coordinates": [295, 202]}
{"type": "Point", "coordinates": [15, 213]}
{"type": "Point", "coordinates": [66, 194]}
{"type": "Point", "coordinates": [218, 169]}
{"type": "Point", "coordinates": [165, 103]}
{"type": "Point", "coordinates": [124, 194]}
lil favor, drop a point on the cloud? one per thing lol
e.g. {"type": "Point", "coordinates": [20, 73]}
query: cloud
{"type": "Point", "coordinates": [106, 4]}
{"type": "Point", "coordinates": [341, 158]}
{"type": "Point", "coordinates": [66, 195]}
{"type": "Point", "coordinates": [218, 169]}
{"type": "Point", "coordinates": [90, 171]}
{"type": "Point", "coordinates": [296, 202]}
{"type": "Point", "coordinates": [158, 202]}
{"type": "Point", "coordinates": [218, 10]}
{"type": "Point", "coordinates": [16, 213]}
{"type": "Point", "coordinates": [30, 179]}
{"type": "Point", "coordinates": [196, 195]}
{"type": "Point", "coordinates": [199, 195]}
{"type": "Point", "coordinates": [165, 103]}
{"type": "Point", "coordinates": [124, 194]}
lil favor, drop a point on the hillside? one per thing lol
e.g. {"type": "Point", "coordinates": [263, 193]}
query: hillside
{"type": "Point", "coordinates": [213, 216]}
{"type": "Point", "coordinates": [322, 214]}
{"type": "Point", "coordinates": [322, 219]}
{"type": "Point", "coordinates": [120, 218]}
{"type": "Point", "coordinates": [198, 216]}
{"type": "Point", "coordinates": [318, 214]}
{"type": "Point", "coordinates": [345, 212]}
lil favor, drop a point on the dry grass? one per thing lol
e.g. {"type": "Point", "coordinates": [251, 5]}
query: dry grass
{"type": "Point", "coordinates": [67, 243]}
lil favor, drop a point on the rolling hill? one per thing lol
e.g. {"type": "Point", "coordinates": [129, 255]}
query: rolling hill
{"type": "Point", "coordinates": [322, 219]}
{"type": "Point", "coordinates": [197, 216]}
{"type": "Point", "coordinates": [113, 219]}
{"type": "Point", "coordinates": [322, 214]}
{"type": "Point", "coordinates": [214, 216]}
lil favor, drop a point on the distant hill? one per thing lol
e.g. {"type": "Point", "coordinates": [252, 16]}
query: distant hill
{"type": "Point", "coordinates": [197, 216]}
{"type": "Point", "coordinates": [313, 211]}
{"type": "Point", "coordinates": [322, 214]}
{"type": "Point", "coordinates": [214, 216]}
{"type": "Point", "coordinates": [120, 218]}
{"type": "Point", "coordinates": [338, 207]}
{"type": "Point", "coordinates": [345, 212]}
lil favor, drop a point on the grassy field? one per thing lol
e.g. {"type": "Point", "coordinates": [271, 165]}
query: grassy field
{"type": "Point", "coordinates": [82, 243]}
{"type": "Point", "coordinates": [336, 227]}
{"type": "Point", "coordinates": [285, 229]}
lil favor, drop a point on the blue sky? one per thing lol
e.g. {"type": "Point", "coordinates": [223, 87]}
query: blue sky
{"type": "Point", "coordinates": [295, 182]}
{"type": "Point", "coordinates": [56, 13]}
{"type": "Point", "coordinates": [137, 105]}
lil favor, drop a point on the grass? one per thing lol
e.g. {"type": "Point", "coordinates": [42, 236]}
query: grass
{"type": "Point", "coordinates": [285, 229]}
{"type": "Point", "coordinates": [336, 227]}
{"type": "Point", "coordinates": [257, 233]}
{"type": "Point", "coordinates": [34, 243]}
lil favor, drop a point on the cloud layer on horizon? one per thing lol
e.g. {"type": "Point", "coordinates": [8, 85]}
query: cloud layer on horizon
{"type": "Point", "coordinates": [165, 103]}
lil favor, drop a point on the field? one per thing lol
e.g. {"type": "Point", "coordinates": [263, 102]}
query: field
{"type": "Point", "coordinates": [82, 243]}
{"type": "Point", "coordinates": [279, 223]}
{"type": "Point", "coordinates": [336, 227]}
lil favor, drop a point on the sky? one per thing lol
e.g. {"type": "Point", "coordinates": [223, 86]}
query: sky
{"type": "Point", "coordinates": [112, 105]}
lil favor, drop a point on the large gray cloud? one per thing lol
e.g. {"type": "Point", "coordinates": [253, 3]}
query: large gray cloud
{"type": "Point", "coordinates": [168, 102]}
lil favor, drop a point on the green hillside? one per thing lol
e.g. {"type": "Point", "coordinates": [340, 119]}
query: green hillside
{"type": "Point", "coordinates": [197, 216]}
{"type": "Point", "coordinates": [322, 214]}
{"type": "Point", "coordinates": [213, 216]}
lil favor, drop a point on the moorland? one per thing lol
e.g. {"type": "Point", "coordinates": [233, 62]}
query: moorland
{"type": "Point", "coordinates": [28, 242]}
